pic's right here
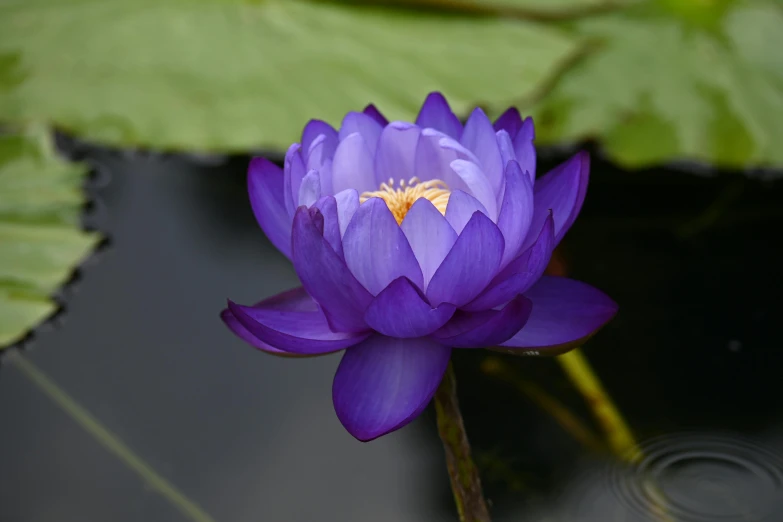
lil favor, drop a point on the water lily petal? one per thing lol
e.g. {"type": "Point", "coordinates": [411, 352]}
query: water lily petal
{"type": "Point", "coordinates": [520, 274]}
{"type": "Point", "coordinates": [313, 130]}
{"type": "Point", "coordinates": [325, 176]}
{"type": "Point", "coordinates": [510, 121]}
{"type": "Point", "coordinates": [293, 331]}
{"type": "Point", "coordinates": [265, 188]}
{"type": "Point", "coordinates": [319, 152]}
{"type": "Point", "coordinates": [436, 114]}
{"type": "Point", "coordinates": [352, 167]}
{"type": "Point", "coordinates": [507, 154]}
{"type": "Point", "coordinates": [400, 310]}
{"type": "Point", "coordinates": [449, 143]}
{"type": "Point", "coordinates": [329, 209]}
{"type": "Point", "coordinates": [435, 155]}
{"type": "Point", "coordinates": [565, 314]}
{"type": "Point", "coordinates": [486, 327]}
{"type": "Point", "coordinates": [347, 204]}
{"type": "Point", "coordinates": [384, 383]}
{"type": "Point", "coordinates": [506, 147]}
{"type": "Point", "coordinates": [396, 154]}
{"type": "Point", "coordinates": [365, 125]}
{"type": "Point", "coordinates": [524, 149]}
{"type": "Point", "coordinates": [563, 191]}
{"type": "Point", "coordinates": [310, 189]}
{"type": "Point", "coordinates": [478, 184]}
{"type": "Point", "coordinates": [325, 276]}
{"type": "Point", "coordinates": [376, 249]}
{"type": "Point", "coordinates": [470, 265]}
{"type": "Point", "coordinates": [433, 161]}
{"type": "Point", "coordinates": [516, 213]}
{"type": "Point", "coordinates": [429, 235]}
{"type": "Point", "coordinates": [373, 112]}
{"type": "Point", "coordinates": [295, 295]}
{"type": "Point", "coordinates": [479, 137]}
{"type": "Point", "coordinates": [461, 208]}
{"type": "Point", "coordinates": [294, 171]}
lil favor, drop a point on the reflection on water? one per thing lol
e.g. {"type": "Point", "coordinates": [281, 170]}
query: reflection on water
{"type": "Point", "coordinates": [693, 262]}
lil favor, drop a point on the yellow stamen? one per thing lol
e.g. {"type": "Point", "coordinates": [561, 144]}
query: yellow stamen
{"type": "Point", "coordinates": [401, 199]}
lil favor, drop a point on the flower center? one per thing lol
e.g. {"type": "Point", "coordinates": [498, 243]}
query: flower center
{"type": "Point", "coordinates": [401, 199]}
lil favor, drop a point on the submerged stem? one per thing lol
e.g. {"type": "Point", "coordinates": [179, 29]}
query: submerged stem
{"type": "Point", "coordinates": [465, 481]}
{"type": "Point", "coordinates": [582, 376]}
{"type": "Point", "coordinates": [498, 368]}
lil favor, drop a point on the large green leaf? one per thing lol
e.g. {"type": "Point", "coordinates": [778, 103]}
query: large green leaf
{"type": "Point", "coordinates": [554, 8]}
{"type": "Point", "coordinates": [676, 80]}
{"type": "Point", "coordinates": [530, 9]}
{"type": "Point", "coordinates": [237, 75]}
{"type": "Point", "coordinates": [41, 241]}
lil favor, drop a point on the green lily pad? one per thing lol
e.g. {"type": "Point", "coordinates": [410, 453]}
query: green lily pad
{"type": "Point", "coordinates": [670, 81]}
{"type": "Point", "coordinates": [231, 75]}
{"type": "Point", "coordinates": [41, 241]}
{"type": "Point", "coordinates": [532, 9]}
{"type": "Point", "coordinates": [561, 8]}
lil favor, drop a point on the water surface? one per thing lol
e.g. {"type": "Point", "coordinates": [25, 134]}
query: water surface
{"type": "Point", "coordinates": [693, 362]}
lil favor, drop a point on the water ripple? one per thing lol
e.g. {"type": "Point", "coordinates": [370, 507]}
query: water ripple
{"type": "Point", "coordinates": [703, 478]}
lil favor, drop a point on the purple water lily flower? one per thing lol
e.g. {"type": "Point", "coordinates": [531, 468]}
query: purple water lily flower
{"type": "Point", "coordinates": [411, 240]}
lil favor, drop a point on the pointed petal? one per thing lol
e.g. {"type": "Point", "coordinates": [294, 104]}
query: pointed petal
{"type": "Point", "coordinates": [401, 311]}
{"type": "Point", "coordinates": [450, 143]}
{"type": "Point", "coordinates": [325, 276]}
{"type": "Point", "coordinates": [524, 149]}
{"type": "Point", "coordinates": [433, 161]}
{"type": "Point", "coordinates": [479, 137]}
{"type": "Point", "coordinates": [347, 204]}
{"type": "Point", "coordinates": [376, 249]}
{"type": "Point", "coordinates": [315, 128]}
{"type": "Point", "coordinates": [396, 154]}
{"type": "Point", "coordinates": [293, 331]}
{"type": "Point", "coordinates": [436, 114]}
{"type": "Point", "coordinates": [510, 121]}
{"type": "Point", "coordinates": [319, 152]}
{"type": "Point", "coordinates": [506, 154]}
{"type": "Point", "coordinates": [294, 171]}
{"type": "Point", "coordinates": [384, 383]}
{"type": "Point", "coordinates": [435, 155]}
{"type": "Point", "coordinates": [520, 274]}
{"type": "Point", "coordinates": [265, 188]}
{"type": "Point", "coordinates": [478, 184]}
{"type": "Point", "coordinates": [240, 331]}
{"type": "Point", "coordinates": [565, 314]}
{"type": "Point", "coordinates": [486, 327]}
{"type": "Point", "coordinates": [506, 148]}
{"type": "Point", "coordinates": [471, 264]}
{"type": "Point", "coordinates": [563, 190]}
{"type": "Point", "coordinates": [310, 189]}
{"type": "Point", "coordinates": [429, 235]}
{"type": "Point", "coordinates": [295, 299]}
{"type": "Point", "coordinates": [516, 214]}
{"type": "Point", "coordinates": [461, 208]}
{"type": "Point", "coordinates": [329, 209]}
{"type": "Point", "coordinates": [325, 175]}
{"type": "Point", "coordinates": [373, 112]}
{"type": "Point", "coordinates": [352, 167]}
{"type": "Point", "coordinates": [364, 125]}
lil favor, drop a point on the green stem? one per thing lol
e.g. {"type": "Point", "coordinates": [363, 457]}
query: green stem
{"type": "Point", "coordinates": [465, 481]}
{"type": "Point", "coordinates": [109, 440]}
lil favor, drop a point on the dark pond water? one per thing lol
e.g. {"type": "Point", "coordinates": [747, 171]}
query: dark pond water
{"type": "Point", "coordinates": [203, 428]}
